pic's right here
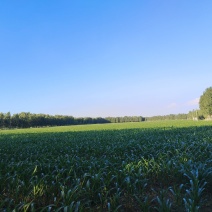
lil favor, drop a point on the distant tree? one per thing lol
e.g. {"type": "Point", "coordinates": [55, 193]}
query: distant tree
{"type": "Point", "coordinates": [1, 120]}
{"type": "Point", "coordinates": [7, 120]}
{"type": "Point", "coordinates": [15, 120]}
{"type": "Point", "coordinates": [205, 102]}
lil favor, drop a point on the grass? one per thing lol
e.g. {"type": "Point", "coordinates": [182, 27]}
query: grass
{"type": "Point", "coordinates": [147, 166]}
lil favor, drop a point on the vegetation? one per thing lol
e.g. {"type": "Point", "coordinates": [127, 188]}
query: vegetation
{"type": "Point", "coordinates": [146, 166]}
{"type": "Point", "coordinates": [205, 102]}
{"type": "Point", "coordinates": [180, 116]}
{"type": "Point", "coordinates": [125, 119]}
{"type": "Point", "coordinates": [196, 115]}
{"type": "Point", "coordinates": [26, 120]}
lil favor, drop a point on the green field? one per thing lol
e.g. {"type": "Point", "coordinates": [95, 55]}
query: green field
{"type": "Point", "coordinates": [147, 166]}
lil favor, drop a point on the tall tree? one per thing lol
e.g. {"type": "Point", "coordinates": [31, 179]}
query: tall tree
{"type": "Point", "coordinates": [205, 102]}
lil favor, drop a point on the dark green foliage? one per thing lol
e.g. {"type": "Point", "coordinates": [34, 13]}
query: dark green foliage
{"type": "Point", "coordinates": [159, 169]}
{"type": "Point", "coordinates": [26, 120]}
{"type": "Point", "coordinates": [205, 102]}
{"type": "Point", "coordinates": [180, 116]}
{"type": "Point", "coordinates": [125, 119]}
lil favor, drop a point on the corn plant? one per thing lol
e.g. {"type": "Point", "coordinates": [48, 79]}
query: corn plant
{"type": "Point", "coordinates": [163, 166]}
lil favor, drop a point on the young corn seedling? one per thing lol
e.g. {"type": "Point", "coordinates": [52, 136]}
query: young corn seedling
{"type": "Point", "coordinates": [177, 193]}
{"type": "Point", "coordinates": [144, 204]}
{"type": "Point", "coordinates": [193, 199]}
{"type": "Point", "coordinates": [163, 204]}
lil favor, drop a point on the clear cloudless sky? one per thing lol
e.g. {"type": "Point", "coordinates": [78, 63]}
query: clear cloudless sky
{"type": "Point", "coordinates": [104, 57]}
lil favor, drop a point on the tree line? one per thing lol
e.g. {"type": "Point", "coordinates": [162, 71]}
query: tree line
{"type": "Point", "coordinates": [180, 116]}
{"type": "Point", "coordinates": [26, 120]}
{"type": "Point", "coordinates": [125, 119]}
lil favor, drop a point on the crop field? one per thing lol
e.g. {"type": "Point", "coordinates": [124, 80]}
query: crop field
{"type": "Point", "coordinates": [147, 166]}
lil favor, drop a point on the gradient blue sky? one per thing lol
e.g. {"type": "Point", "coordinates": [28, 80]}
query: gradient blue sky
{"type": "Point", "coordinates": [104, 57]}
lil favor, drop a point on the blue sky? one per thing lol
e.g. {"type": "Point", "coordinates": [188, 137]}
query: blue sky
{"type": "Point", "coordinates": [104, 58]}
